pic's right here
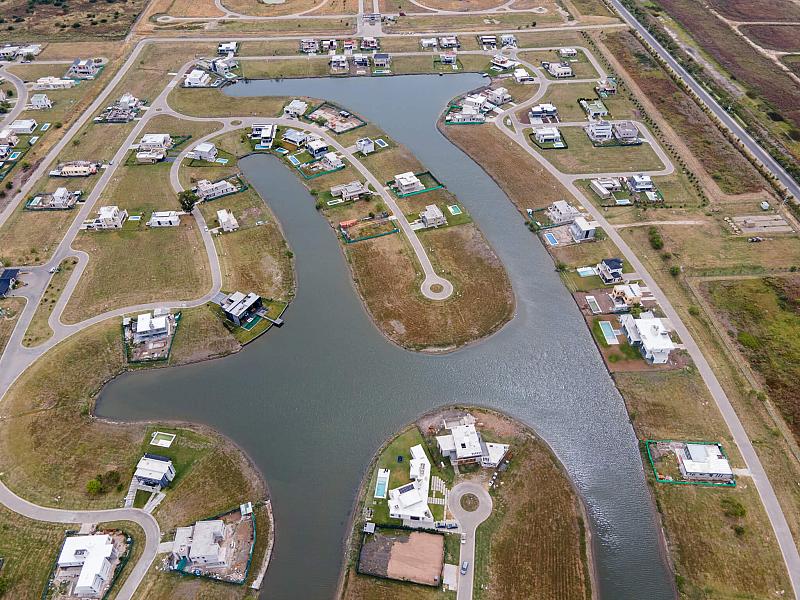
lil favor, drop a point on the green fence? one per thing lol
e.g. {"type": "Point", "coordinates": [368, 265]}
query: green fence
{"type": "Point", "coordinates": [659, 479]}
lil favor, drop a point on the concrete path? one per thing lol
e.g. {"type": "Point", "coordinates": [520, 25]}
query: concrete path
{"type": "Point", "coordinates": [468, 522]}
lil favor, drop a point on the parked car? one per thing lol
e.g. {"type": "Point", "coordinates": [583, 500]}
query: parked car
{"type": "Point", "coordinates": [463, 538]}
{"type": "Point", "coordinates": [464, 567]}
{"type": "Point", "coordinates": [452, 525]}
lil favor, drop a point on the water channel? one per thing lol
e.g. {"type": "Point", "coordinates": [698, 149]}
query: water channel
{"type": "Point", "coordinates": [311, 402]}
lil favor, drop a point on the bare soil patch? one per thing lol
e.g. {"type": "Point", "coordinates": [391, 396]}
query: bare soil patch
{"type": "Point", "coordinates": [784, 38]}
{"type": "Point", "coordinates": [404, 556]}
{"type": "Point", "coordinates": [469, 502]}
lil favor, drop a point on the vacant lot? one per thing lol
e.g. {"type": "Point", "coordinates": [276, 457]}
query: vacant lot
{"type": "Point", "coordinates": [785, 38]}
{"type": "Point", "coordinates": [463, 5]}
{"type": "Point", "coordinates": [10, 309]}
{"type": "Point", "coordinates": [768, 10]}
{"type": "Point", "coordinates": [581, 66]}
{"type": "Point", "coordinates": [254, 7]}
{"type": "Point", "coordinates": [466, 22]}
{"type": "Point", "coordinates": [397, 554]}
{"type": "Point", "coordinates": [39, 330]}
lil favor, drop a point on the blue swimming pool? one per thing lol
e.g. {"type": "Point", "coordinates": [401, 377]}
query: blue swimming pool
{"type": "Point", "coordinates": [608, 333]}
{"type": "Point", "coordinates": [294, 160]}
{"type": "Point", "coordinates": [551, 239]}
{"type": "Point", "coordinates": [454, 209]}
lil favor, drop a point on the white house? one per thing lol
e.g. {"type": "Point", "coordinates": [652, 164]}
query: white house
{"type": "Point", "coordinates": [295, 108]}
{"type": "Point", "coordinates": [339, 62]}
{"type": "Point", "coordinates": [8, 52]}
{"type": "Point", "coordinates": [53, 83]}
{"type": "Point", "coordinates": [331, 161]}
{"type": "Point", "coordinates": [94, 555]}
{"type": "Point", "coordinates": [410, 501]}
{"type": "Point", "coordinates": [365, 146]}
{"type": "Point", "coordinates": [316, 147]}
{"type": "Point", "coordinates": [208, 190]}
{"type": "Point", "coordinates": [369, 43]}
{"type": "Point", "coordinates": [427, 43]}
{"type": "Point", "coordinates": [594, 109]}
{"type": "Point", "coordinates": [309, 46]}
{"type": "Point", "coordinates": [63, 198]}
{"type": "Point", "coordinates": [150, 156]}
{"type": "Point", "coordinates": [640, 183]}
{"type": "Point", "coordinates": [477, 101]}
{"type": "Point", "coordinates": [227, 48]}
{"type": "Point", "coordinates": [129, 101]}
{"type": "Point", "coordinates": [75, 168]}
{"type": "Point", "coordinates": [449, 42]}
{"type": "Point", "coordinates": [432, 216]}
{"type": "Point", "coordinates": [164, 218]}
{"type": "Point", "coordinates": [30, 50]}
{"type": "Point", "coordinates": [382, 60]}
{"type": "Point", "coordinates": [599, 131]}
{"type": "Point", "coordinates": [583, 230]}
{"type": "Point", "coordinates": [108, 217]}
{"type": "Point", "coordinates": [8, 138]}
{"type": "Point", "coordinates": [227, 221]}
{"type": "Point", "coordinates": [448, 58]}
{"type": "Point", "coordinates": [607, 87]}
{"type": "Point", "coordinates": [650, 335]}
{"type": "Point", "coordinates": [522, 76]}
{"type": "Point", "coordinates": [465, 445]}
{"type": "Point", "coordinates": [224, 65]}
{"type": "Point", "coordinates": [264, 133]}
{"type": "Point", "coordinates": [704, 462]}
{"type": "Point", "coordinates": [407, 183]}
{"type": "Point", "coordinates": [202, 544]}
{"type": "Point", "coordinates": [508, 40]}
{"type": "Point", "coordinates": [542, 111]}
{"type": "Point", "coordinates": [149, 327]}
{"type": "Point", "coordinates": [352, 190]}
{"type": "Point", "coordinates": [41, 102]}
{"type": "Point", "coordinates": [498, 96]}
{"type": "Point", "coordinates": [154, 470]}
{"type": "Point", "coordinates": [567, 52]}
{"type": "Point", "coordinates": [503, 62]}
{"type": "Point", "coordinates": [83, 68]}
{"type": "Point", "coordinates": [488, 41]}
{"type": "Point", "coordinates": [547, 135]}
{"type": "Point", "coordinates": [205, 151]}
{"type": "Point", "coordinates": [295, 137]}
{"type": "Point", "coordinates": [561, 212]}
{"type": "Point", "coordinates": [155, 141]}
{"type": "Point", "coordinates": [558, 70]}
{"type": "Point", "coordinates": [23, 126]}
{"type": "Point", "coordinates": [197, 78]}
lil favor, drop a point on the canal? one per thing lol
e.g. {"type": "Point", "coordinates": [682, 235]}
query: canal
{"type": "Point", "coordinates": [311, 402]}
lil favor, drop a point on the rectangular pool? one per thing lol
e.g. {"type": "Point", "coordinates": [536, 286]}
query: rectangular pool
{"type": "Point", "coordinates": [593, 305]}
{"type": "Point", "coordinates": [293, 160]}
{"type": "Point", "coordinates": [382, 484]}
{"type": "Point", "coordinates": [608, 333]}
{"type": "Point", "coordinates": [551, 239]}
{"type": "Point", "coordinates": [454, 209]}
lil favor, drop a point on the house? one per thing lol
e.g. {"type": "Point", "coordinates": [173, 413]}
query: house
{"type": "Point", "coordinates": [53, 83]}
{"type": "Point", "coordinates": [427, 43]}
{"type": "Point", "coordinates": [317, 148]}
{"type": "Point", "coordinates": [339, 61]}
{"type": "Point", "coordinates": [561, 212]}
{"type": "Point", "coordinates": [449, 42]}
{"type": "Point", "coordinates": [610, 270]}
{"type": "Point", "coordinates": [582, 230]}
{"type": "Point", "coordinates": [382, 60]}
{"type": "Point", "coordinates": [201, 544]}
{"type": "Point", "coordinates": [640, 183]}
{"type": "Point", "coordinates": [264, 133]}
{"type": "Point", "coordinates": [594, 109]}
{"type": "Point", "coordinates": [503, 62]}
{"type": "Point", "coordinates": [409, 502]}
{"type": "Point", "coordinates": [41, 102]}
{"type": "Point", "coordinates": [498, 96]}
{"type": "Point", "coordinates": [331, 161]}
{"type": "Point", "coordinates": [227, 48]}
{"type": "Point", "coordinates": [599, 189]}
{"type": "Point", "coordinates": [479, 102]}
{"type": "Point", "coordinates": [8, 138]}
{"type": "Point", "coordinates": [295, 108]}
{"type": "Point", "coordinates": [488, 42]}
{"type": "Point", "coordinates": [205, 151]}
{"type": "Point", "coordinates": [150, 156]}
{"type": "Point", "coordinates": [155, 141]}
{"type": "Point", "coordinates": [94, 555]}
{"type": "Point", "coordinates": [558, 70]}
{"type": "Point", "coordinates": [349, 45]}
{"type": "Point", "coordinates": [626, 132]}
{"type": "Point", "coordinates": [150, 327]}
{"type": "Point", "coordinates": [154, 470]}
{"type": "Point", "coordinates": [599, 131]}
{"type": "Point", "coordinates": [197, 78]}
{"type": "Point", "coordinates": [408, 183]}
{"type": "Point", "coordinates": [75, 168]}
{"type": "Point", "coordinates": [329, 45]}
{"type": "Point", "coordinates": [227, 221]}
{"type": "Point", "coordinates": [567, 52]}
{"type": "Point", "coordinates": [604, 186]}
{"type": "Point", "coordinates": [108, 217]}
{"type": "Point", "coordinates": [626, 295]}
{"type": "Point", "coordinates": [365, 146]}
{"type": "Point", "coordinates": [83, 68]}
{"type": "Point", "coordinates": [704, 462]}
{"type": "Point", "coordinates": [467, 114]}
{"type": "Point", "coordinates": [129, 102]}
{"type": "Point", "coordinates": [352, 190]}
{"type": "Point", "coordinates": [547, 135]}
{"type": "Point", "coordinates": [542, 111]}
{"type": "Point", "coordinates": [208, 190]}
{"type": "Point", "coordinates": [9, 52]}
{"type": "Point", "coordinates": [23, 126]}
{"type": "Point", "coordinates": [8, 279]}
{"type": "Point", "coordinates": [223, 66]}
{"type": "Point", "coordinates": [606, 87]}
{"type": "Point", "coordinates": [432, 216]}
{"type": "Point", "coordinates": [239, 307]}
{"type": "Point", "coordinates": [464, 445]}
{"type": "Point", "coordinates": [448, 58]}
{"type": "Point", "coordinates": [164, 218]}
{"type": "Point", "coordinates": [650, 335]}
{"type": "Point", "coordinates": [61, 199]}
{"type": "Point", "coordinates": [294, 137]}
{"type": "Point", "coordinates": [309, 46]}
{"type": "Point", "coordinates": [360, 60]}
{"type": "Point", "coordinates": [369, 43]}
{"type": "Point", "coordinates": [30, 50]}
{"type": "Point", "coordinates": [508, 40]}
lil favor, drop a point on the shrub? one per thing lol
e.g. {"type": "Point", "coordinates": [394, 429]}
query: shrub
{"type": "Point", "coordinates": [748, 340]}
{"type": "Point", "coordinates": [94, 486]}
{"type": "Point", "coordinates": [655, 239]}
{"type": "Point", "coordinates": [674, 270]}
{"type": "Point", "coordinates": [694, 311]}
{"type": "Point", "coordinates": [732, 508]}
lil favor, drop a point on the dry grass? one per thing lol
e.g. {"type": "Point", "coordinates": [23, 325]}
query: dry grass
{"type": "Point", "coordinates": [29, 238]}
{"type": "Point", "coordinates": [214, 103]}
{"type": "Point", "coordinates": [463, 5]}
{"type": "Point", "coordinates": [70, 50]}
{"type": "Point", "coordinates": [784, 38]}
{"type": "Point", "coordinates": [193, 8]}
{"type": "Point", "coordinates": [301, 66]}
{"type": "Point", "coordinates": [494, 21]}
{"type": "Point", "coordinates": [11, 309]}
{"type": "Point", "coordinates": [201, 336]}
{"type": "Point", "coordinates": [767, 10]}
{"type": "Point", "coordinates": [256, 8]}
{"type": "Point", "coordinates": [39, 330]}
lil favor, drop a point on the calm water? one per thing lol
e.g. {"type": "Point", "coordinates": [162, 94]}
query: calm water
{"type": "Point", "coordinates": [312, 401]}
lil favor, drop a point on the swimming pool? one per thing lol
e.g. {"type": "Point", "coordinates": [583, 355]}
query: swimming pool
{"type": "Point", "coordinates": [14, 155]}
{"type": "Point", "coordinates": [382, 484]}
{"type": "Point", "coordinates": [585, 271]}
{"type": "Point", "coordinates": [593, 305]}
{"type": "Point", "coordinates": [454, 209]}
{"type": "Point", "coordinates": [380, 143]}
{"type": "Point", "coordinates": [293, 160]}
{"type": "Point", "coordinates": [551, 239]}
{"type": "Point", "coordinates": [608, 333]}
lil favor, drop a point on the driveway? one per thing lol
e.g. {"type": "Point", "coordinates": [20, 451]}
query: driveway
{"type": "Point", "coordinates": [469, 521]}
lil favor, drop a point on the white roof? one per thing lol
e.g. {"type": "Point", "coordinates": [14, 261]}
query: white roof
{"type": "Point", "coordinates": [653, 334]}
{"type": "Point", "coordinates": [205, 539]}
{"type": "Point", "coordinates": [316, 144]}
{"type": "Point", "coordinates": [155, 138]}
{"type": "Point", "coordinates": [24, 123]}
{"type": "Point", "coordinates": [432, 212]}
{"type": "Point", "coordinates": [411, 500]}
{"type": "Point", "coordinates": [152, 468]}
{"type": "Point", "coordinates": [146, 323]}
{"type": "Point", "coordinates": [406, 178]}
{"type": "Point", "coordinates": [466, 440]}
{"type": "Point", "coordinates": [706, 458]}
{"type": "Point", "coordinates": [548, 131]}
{"type": "Point", "coordinates": [205, 147]}
{"type": "Point", "coordinates": [297, 106]}
{"type": "Point", "coordinates": [71, 552]}
{"type": "Point", "coordinates": [584, 225]}
{"type": "Point", "coordinates": [108, 212]}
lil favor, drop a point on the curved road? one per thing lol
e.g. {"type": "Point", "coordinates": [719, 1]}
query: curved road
{"type": "Point", "coordinates": [21, 92]}
{"type": "Point", "coordinates": [468, 522]}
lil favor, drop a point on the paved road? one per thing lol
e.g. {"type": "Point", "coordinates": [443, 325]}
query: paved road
{"type": "Point", "coordinates": [468, 522]}
{"type": "Point", "coordinates": [56, 515]}
{"type": "Point", "coordinates": [729, 121]}
{"type": "Point", "coordinates": [21, 92]}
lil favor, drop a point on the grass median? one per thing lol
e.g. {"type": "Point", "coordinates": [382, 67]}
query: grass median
{"type": "Point", "coordinates": [39, 330]}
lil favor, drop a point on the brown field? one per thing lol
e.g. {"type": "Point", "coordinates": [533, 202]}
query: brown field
{"type": "Point", "coordinates": [785, 38]}
{"type": "Point", "coordinates": [793, 62]}
{"type": "Point", "coordinates": [70, 50]}
{"type": "Point", "coordinates": [416, 556]}
{"type": "Point", "coordinates": [398, 6]}
{"type": "Point", "coordinates": [592, 7]}
{"type": "Point", "coordinates": [767, 10]}
{"type": "Point", "coordinates": [724, 163]}
{"type": "Point", "coordinates": [499, 20]}
{"type": "Point", "coordinates": [192, 8]}
{"type": "Point", "coordinates": [11, 307]}
{"type": "Point", "coordinates": [462, 5]}
{"type": "Point", "coordinates": [260, 9]}
{"type": "Point", "coordinates": [80, 20]}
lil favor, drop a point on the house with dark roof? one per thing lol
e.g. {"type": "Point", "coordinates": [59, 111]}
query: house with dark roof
{"type": "Point", "coordinates": [610, 270]}
{"type": "Point", "coordinates": [7, 280]}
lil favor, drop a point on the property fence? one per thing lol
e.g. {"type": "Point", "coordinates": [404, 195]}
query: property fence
{"type": "Point", "coordinates": [660, 479]}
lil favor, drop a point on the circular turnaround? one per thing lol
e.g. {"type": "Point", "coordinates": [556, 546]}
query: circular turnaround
{"type": "Point", "coordinates": [469, 502]}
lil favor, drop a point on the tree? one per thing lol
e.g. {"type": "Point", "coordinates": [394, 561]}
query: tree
{"type": "Point", "coordinates": [188, 199]}
{"type": "Point", "coordinates": [94, 486]}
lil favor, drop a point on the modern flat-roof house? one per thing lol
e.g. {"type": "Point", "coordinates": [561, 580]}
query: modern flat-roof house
{"type": "Point", "coordinates": [8, 138]}
{"type": "Point", "coordinates": [467, 114]}
{"type": "Point", "coordinates": [382, 60]}
{"type": "Point", "coordinates": [360, 60]}
{"type": "Point", "coordinates": [370, 43]}
{"type": "Point", "coordinates": [155, 141]}
{"type": "Point", "coordinates": [94, 555]}
{"type": "Point", "coordinates": [40, 102]}
{"type": "Point", "coordinates": [640, 183]}
{"type": "Point", "coordinates": [626, 295]}
{"type": "Point", "coordinates": [448, 58]}
{"type": "Point", "coordinates": [599, 131]}
{"type": "Point", "coordinates": [704, 462]}
{"type": "Point", "coordinates": [8, 278]}
{"type": "Point", "coordinates": [75, 168]}
{"type": "Point", "coordinates": [409, 502]}
{"type": "Point", "coordinates": [154, 470]}
{"type": "Point", "coordinates": [8, 52]}
{"type": "Point", "coordinates": [352, 190]}
{"type": "Point", "coordinates": [567, 52]}
{"type": "Point", "coordinates": [558, 70]}
{"type": "Point", "coordinates": [498, 96]}
{"type": "Point", "coordinates": [23, 126]}
{"type": "Point", "coordinates": [449, 42]}
{"type": "Point", "coordinates": [582, 230]}
{"type": "Point", "coordinates": [309, 46]}
{"type": "Point", "coordinates": [331, 161]}
{"type": "Point", "coordinates": [227, 48]}
{"type": "Point", "coordinates": [61, 199]}
{"type": "Point", "coordinates": [329, 45]}
{"type": "Point", "coordinates": [542, 111]}
{"type": "Point", "coordinates": [522, 76]}
{"type": "Point", "coordinates": [164, 218]}
{"type": "Point", "coordinates": [503, 62]}
{"type": "Point", "coordinates": [365, 146]}
{"type": "Point", "coordinates": [489, 42]}
{"type": "Point", "coordinates": [407, 183]}
{"type": "Point", "coordinates": [239, 307]}
{"type": "Point", "coordinates": [561, 212]}
{"type": "Point", "coordinates": [129, 101]}
{"type": "Point", "coordinates": [83, 68]}
{"type": "Point", "coordinates": [594, 109]}
{"type": "Point", "coordinates": [108, 217]}
{"type": "Point", "coordinates": [433, 216]}
{"type": "Point", "coordinates": [227, 221]}
{"type": "Point", "coordinates": [150, 156]}
{"type": "Point", "coordinates": [205, 151]}
{"type": "Point", "coordinates": [477, 101]}
{"type": "Point", "coordinates": [149, 328]}
{"type": "Point", "coordinates": [465, 445]}
{"type": "Point", "coordinates": [610, 270]}
{"type": "Point", "coordinates": [223, 65]}
{"type": "Point", "coordinates": [606, 87]}
{"type": "Point", "coordinates": [508, 40]}
{"type": "Point", "coordinates": [317, 148]}
{"type": "Point", "coordinates": [208, 190]}
{"type": "Point", "coordinates": [427, 43]}
{"type": "Point", "coordinates": [295, 108]}
{"type": "Point", "coordinates": [264, 133]}
{"type": "Point", "coordinates": [547, 135]}
{"type": "Point", "coordinates": [202, 544]}
{"type": "Point", "coordinates": [650, 335]}
{"type": "Point", "coordinates": [53, 83]}
{"type": "Point", "coordinates": [339, 62]}
{"type": "Point", "coordinates": [294, 137]}
{"type": "Point", "coordinates": [197, 78]}
{"type": "Point", "coordinates": [626, 132]}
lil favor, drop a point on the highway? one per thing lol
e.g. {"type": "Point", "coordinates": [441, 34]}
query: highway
{"type": "Point", "coordinates": [729, 121]}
